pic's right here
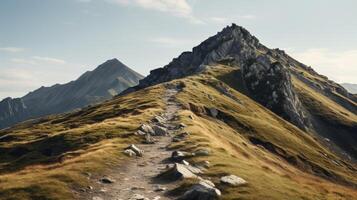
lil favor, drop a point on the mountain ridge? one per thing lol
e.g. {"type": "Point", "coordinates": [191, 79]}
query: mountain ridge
{"type": "Point", "coordinates": [108, 79]}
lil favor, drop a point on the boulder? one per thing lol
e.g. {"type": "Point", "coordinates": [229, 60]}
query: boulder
{"type": "Point", "coordinates": [159, 131]}
{"type": "Point", "coordinates": [178, 171]}
{"type": "Point", "coordinates": [204, 190]}
{"type": "Point", "coordinates": [146, 128]}
{"type": "Point", "coordinates": [138, 152]}
{"type": "Point", "coordinates": [233, 180]}
{"type": "Point", "coordinates": [129, 152]}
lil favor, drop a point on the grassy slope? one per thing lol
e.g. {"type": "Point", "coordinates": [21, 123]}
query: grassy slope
{"type": "Point", "coordinates": [269, 176]}
{"type": "Point", "coordinates": [92, 139]}
{"type": "Point", "coordinates": [46, 159]}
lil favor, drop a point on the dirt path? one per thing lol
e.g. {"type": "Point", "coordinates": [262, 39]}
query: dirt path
{"type": "Point", "coordinates": [138, 176]}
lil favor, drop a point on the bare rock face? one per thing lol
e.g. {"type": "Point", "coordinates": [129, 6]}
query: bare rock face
{"type": "Point", "coordinates": [270, 84]}
{"type": "Point", "coordinates": [233, 42]}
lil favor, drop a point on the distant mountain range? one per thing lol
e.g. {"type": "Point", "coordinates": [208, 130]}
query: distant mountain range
{"type": "Point", "coordinates": [350, 87]}
{"type": "Point", "coordinates": [106, 81]}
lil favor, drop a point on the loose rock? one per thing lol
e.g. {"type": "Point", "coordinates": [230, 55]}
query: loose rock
{"type": "Point", "coordinates": [178, 171]}
{"type": "Point", "coordinates": [233, 180]}
{"type": "Point", "coordinates": [107, 180]}
{"type": "Point", "coordinates": [201, 152]}
{"type": "Point", "coordinates": [204, 190]}
{"type": "Point", "coordinates": [135, 149]}
{"type": "Point", "coordinates": [159, 131]}
{"type": "Point", "coordinates": [178, 156]}
{"type": "Point", "coordinates": [146, 128]}
{"type": "Point", "coordinates": [129, 152]}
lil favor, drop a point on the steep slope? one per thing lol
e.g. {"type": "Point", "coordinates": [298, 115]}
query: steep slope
{"type": "Point", "coordinates": [270, 76]}
{"type": "Point", "coordinates": [60, 156]}
{"type": "Point", "coordinates": [350, 87]}
{"type": "Point", "coordinates": [107, 80]}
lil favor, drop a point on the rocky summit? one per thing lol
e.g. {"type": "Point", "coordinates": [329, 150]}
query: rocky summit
{"type": "Point", "coordinates": [233, 119]}
{"type": "Point", "coordinates": [106, 81]}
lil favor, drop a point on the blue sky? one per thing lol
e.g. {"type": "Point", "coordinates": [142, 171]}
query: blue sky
{"type": "Point", "coordinates": [43, 42]}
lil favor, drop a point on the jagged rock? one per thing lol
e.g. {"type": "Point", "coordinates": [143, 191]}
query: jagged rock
{"type": "Point", "coordinates": [178, 156]}
{"type": "Point", "coordinates": [233, 180]}
{"type": "Point", "coordinates": [202, 152]}
{"type": "Point", "coordinates": [146, 128]}
{"type": "Point", "coordinates": [129, 152]}
{"type": "Point", "coordinates": [107, 180]}
{"type": "Point", "coordinates": [178, 171]}
{"type": "Point", "coordinates": [140, 132]}
{"type": "Point", "coordinates": [270, 84]}
{"type": "Point", "coordinates": [138, 152]}
{"type": "Point", "coordinates": [204, 190]}
{"type": "Point", "coordinates": [159, 131]}
{"type": "Point", "coordinates": [97, 198]}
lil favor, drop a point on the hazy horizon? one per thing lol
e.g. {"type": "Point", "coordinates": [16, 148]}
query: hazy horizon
{"type": "Point", "coordinates": [47, 42]}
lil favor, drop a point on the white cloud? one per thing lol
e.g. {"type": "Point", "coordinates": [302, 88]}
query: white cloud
{"type": "Point", "coordinates": [340, 66]}
{"type": "Point", "coordinates": [49, 60]}
{"type": "Point", "coordinates": [12, 49]}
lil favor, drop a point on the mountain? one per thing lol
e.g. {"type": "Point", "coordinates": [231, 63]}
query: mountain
{"type": "Point", "coordinates": [106, 81]}
{"type": "Point", "coordinates": [350, 87]}
{"type": "Point", "coordinates": [232, 119]}
{"type": "Point", "coordinates": [275, 80]}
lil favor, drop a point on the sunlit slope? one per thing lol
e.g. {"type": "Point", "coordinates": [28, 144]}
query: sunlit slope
{"type": "Point", "coordinates": [49, 158]}
{"type": "Point", "coordinates": [278, 160]}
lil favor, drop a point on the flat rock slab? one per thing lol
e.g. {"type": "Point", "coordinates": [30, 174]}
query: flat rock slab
{"type": "Point", "coordinates": [233, 180]}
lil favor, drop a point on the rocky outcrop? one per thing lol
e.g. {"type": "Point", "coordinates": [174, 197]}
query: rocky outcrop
{"type": "Point", "coordinates": [233, 42]}
{"type": "Point", "coordinates": [269, 83]}
{"type": "Point", "coordinates": [106, 81]}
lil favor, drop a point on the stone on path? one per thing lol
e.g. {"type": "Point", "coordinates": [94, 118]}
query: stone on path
{"type": "Point", "coordinates": [233, 180]}
{"type": "Point", "coordinates": [178, 156]}
{"type": "Point", "coordinates": [159, 131]}
{"type": "Point", "coordinates": [97, 198]}
{"type": "Point", "coordinates": [146, 128]}
{"type": "Point", "coordinates": [129, 152]}
{"type": "Point", "coordinates": [204, 190]}
{"type": "Point", "coordinates": [178, 171]}
{"type": "Point", "coordinates": [107, 180]}
{"type": "Point", "coordinates": [138, 152]}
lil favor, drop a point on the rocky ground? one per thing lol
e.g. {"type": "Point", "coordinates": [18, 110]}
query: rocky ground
{"type": "Point", "coordinates": [155, 170]}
